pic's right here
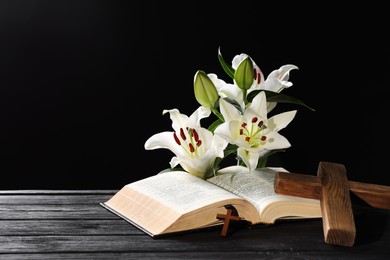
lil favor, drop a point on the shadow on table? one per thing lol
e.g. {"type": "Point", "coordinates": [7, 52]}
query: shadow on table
{"type": "Point", "coordinates": [370, 223]}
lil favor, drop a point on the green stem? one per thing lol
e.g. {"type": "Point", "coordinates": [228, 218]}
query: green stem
{"type": "Point", "coordinates": [262, 162]}
{"type": "Point", "coordinates": [219, 115]}
{"type": "Point", "coordinates": [244, 93]}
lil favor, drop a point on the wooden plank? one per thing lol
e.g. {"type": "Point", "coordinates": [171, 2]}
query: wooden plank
{"type": "Point", "coordinates": [337, 216]}
{"type": "Point", "coordinates": [57, 192]}
{"type": "Point", "coordinates": [74, 227]}
{"type": "Point", "coordinates": [301, 236]}
{"type": "Point", "coordinates": [308, 186]}
{"type": "Point", "coordinates": [57, 199]}
{"type": "Point", "coordinates": [378, 196]}
{"type": "Point", "coordinates": [88, 236]}
{"type": "Point", "coordinates": [210, 241]}
{"type": "Point", "coordinates": [266, 254]}
{"type": "Point", "coordinates": [65, 211]}
{"type": "Point", "coordinates": [299, 185]}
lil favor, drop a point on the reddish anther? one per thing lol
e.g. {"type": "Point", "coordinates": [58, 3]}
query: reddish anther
{"type": "Point", "coordinates": [192, 149]}
{"type": "Point", "coordinates": [176, 139]}
{"type": "Point", "coordinates": [195, 134]}
{"type": "Point", "coordinates": [182, 135]}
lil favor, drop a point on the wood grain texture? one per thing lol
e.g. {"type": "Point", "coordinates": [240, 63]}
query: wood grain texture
{"type": "Point", "coordinates": [378, 196]}
{"type": "Point", "coordinates": [337, 216]}
{"type": "Point", "coordinates": [74, 226]}
{"type": "Point", "coordinates": [300, 185]}
{"type": "Point", "coordinates": [308, 186]}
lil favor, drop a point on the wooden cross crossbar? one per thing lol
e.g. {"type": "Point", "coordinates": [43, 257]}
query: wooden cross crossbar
{"type": "Point", "coordinates": [227, 218]}
{"type": "Point", "coordinates": [332, 187]}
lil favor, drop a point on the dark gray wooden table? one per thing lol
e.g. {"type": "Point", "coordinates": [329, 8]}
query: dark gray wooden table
{"type": "Point", "coordinates": [45, 224]}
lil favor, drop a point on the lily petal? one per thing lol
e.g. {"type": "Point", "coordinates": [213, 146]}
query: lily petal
{"type": "Point", "coordinates": [276, 141]}
{"type": "Point", "coordinates": [195, 148]}
{"type": "Point", "coordinates": [277, 80]}
{"type": "Point", "coordinates": [249, 158]}
{"type": "Point", "coordinates": [283, 73]}
{"type": "Point", "coordinates": [227, 90]}
{"type": "Point", "coordinates": [258, 107]}
{"type": "Point", "coordinates": [163, 140]}
{"type": "Point", "coordinates": [280, 121]}
{"type": "Point", "coordinates": [258, 77]}
{"type": "Point", "coordinates": [178, 119]}
{"type": "Point", "coordinates": [253, 133]}
{"type": "Point", "coordinates": [200, 113]}
{"type": "Point", "coordinates": [229, 131]}
{"type": "Point", "coordinates": [228, 111]}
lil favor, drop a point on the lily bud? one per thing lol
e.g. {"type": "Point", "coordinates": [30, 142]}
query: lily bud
{"type": "Point", "coordinates": [243, 75]}
{"type": "Point", "coordinates": [205, 91]}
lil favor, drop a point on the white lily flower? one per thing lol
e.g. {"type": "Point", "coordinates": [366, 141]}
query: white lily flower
{"type": "Point", "coordinates": [253, 132]}
{"type": "Point", "coordinates": [258, 76]}
{"type": "Point", "coordinates": [195, 147]}
{"type": "Point", "coordinates": [227, 90]}
{"type": "Point", "coordinates": [276, 81]}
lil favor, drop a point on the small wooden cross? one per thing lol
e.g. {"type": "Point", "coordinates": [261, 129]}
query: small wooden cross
{"type": "Point", "coordinates": [332, 187]}
{"type": "Point", "coordinates": [230, 215]}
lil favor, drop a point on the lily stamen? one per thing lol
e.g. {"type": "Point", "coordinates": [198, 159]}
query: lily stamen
{"type": "Point", "coordinates": [192, 149]}
{"type": "Point", "coordinates": [253, 135]}
{"type": "Point", "coordinates": [176, 138]}
{"type": "Point", "coordinates": [182, 135]}
{"type": "Point", "coordinates": [192, 144]}
{"type": "Point", "coordinates": [195, 134]}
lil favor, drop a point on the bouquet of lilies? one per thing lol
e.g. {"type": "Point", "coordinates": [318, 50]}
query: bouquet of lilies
{"type": "Point", "coordinates": [242, 126]}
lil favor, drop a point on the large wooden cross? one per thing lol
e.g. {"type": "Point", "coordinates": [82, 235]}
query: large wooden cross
{"type": "Point", "coordinates": [332, 188]}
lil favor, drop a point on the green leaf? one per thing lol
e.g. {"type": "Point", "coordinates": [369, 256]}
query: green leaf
{"type": "Point", "coordinates": [205, 91]}
{"type": "Point", "coordinates": [234, 103]}
{"type": "Point", "coordinates": [244, 74]}
{"type": "Point", "coordinates": [214, 125]}
{"type": "Point", "coordinates": [263, 160]}
{"type": "Point", "coordinates": [230, 149]}
{"type": "Point", "coordinates": [226, 67]}
{"type": "Point", "coordinates": [278, 97]}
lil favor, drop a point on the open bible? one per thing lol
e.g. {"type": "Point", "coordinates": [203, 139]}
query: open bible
{"type": "Point", "coordinates": [176, 201]}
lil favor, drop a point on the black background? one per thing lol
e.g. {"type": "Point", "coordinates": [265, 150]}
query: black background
{"type": "Point", "coordinates": [83, 84]}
